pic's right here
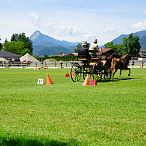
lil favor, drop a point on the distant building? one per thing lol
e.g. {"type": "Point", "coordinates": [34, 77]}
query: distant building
{"type": "Point", "coordinates": [106, 51]}
{"type": "Point", "coordinates": [142, 53]}
{"type": "Point", "coordinates": [5, 55]}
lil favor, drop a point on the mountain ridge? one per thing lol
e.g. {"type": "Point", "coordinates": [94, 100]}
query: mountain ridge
{"type": "Point", "coordinates": [140, 34]}
{"type": "Point", "coordinates": [46, 45]}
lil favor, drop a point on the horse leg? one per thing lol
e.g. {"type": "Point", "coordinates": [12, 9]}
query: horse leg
{"type": "Point", "coordinates": [120, 72]}
{"type": "Point", "coordinates": [113, 72]}
{"type": "Point", "coordinates": [129, 72]}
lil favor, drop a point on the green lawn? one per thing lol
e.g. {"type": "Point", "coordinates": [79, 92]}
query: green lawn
{"type": "Point", "coordinates": [68, 114]}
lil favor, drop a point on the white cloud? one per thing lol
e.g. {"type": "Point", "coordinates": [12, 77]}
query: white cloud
{"type": "Point", "coordinates": [74, 30]}
{"type": "Point", "coordinates": [64, 31]}
{"type": "Point", "coordinates": [35, 16]}
{"type": "Point", "coordinates": [60, 29]}
{"type": "Point", "coordinates": [108, 30]}
{"type": "Point", "coordinates": [140, 25]}
{"type": "Point", "coordinates": [35, 19]}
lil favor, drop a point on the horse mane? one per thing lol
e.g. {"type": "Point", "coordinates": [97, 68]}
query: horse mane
{"type": "Point", "coordinates": [109, 59]}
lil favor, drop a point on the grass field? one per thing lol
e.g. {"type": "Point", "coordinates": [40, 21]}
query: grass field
{"type": "Point", "coordinates": [68, 114]}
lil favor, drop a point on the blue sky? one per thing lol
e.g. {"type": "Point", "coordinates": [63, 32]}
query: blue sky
{"type": "Point", "coordinates": [73, 20]}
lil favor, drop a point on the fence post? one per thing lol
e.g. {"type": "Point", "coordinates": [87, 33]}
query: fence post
{"type": "Point", "coordinates": [132, 62]}
{"type": "Point", "coordinates": [55, 64]}
{"type": "Point", "coordinates": [66, 64]}
{"type": "Point", "coordinates": [61, 64]}
{"type": "Point", "coordinates": [142, 64]}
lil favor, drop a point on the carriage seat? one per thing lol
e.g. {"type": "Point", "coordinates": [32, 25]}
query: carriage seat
{"type": "Point", "coordinates": [95, 61]}
{"type": "Point", "coordinates": [92, 63]}
{"type": "Point", "coordinates": [82, 59]}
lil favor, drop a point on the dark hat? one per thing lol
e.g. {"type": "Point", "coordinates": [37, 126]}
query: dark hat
{"type": "Point", "coordinates": [95, 41]}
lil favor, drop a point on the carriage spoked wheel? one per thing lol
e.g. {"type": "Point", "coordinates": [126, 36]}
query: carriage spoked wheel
{"type": "Point", "coordinates": [96, 73]}
{"type": "Point", "coordinates": [91, 73]}
{"type": "Point", "coordinates": [75, 74]}
{"type": "Point", "coordinates": [86, 71]}
{"type": "Point", "coordinates": [97, 77]}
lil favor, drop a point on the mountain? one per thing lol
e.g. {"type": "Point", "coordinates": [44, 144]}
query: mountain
{"type": "Point", "coordinates": [143, 42]}
{"type": "Point", "coordinates": [140, 34]}
{"type": "Point", "coordinates": [46, 45]}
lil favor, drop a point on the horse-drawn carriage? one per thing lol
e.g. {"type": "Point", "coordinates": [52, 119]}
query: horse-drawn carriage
{"type": "Point", "coordinates": [96, 67]}
{"type": "Point", "coordinates": [101, 68]}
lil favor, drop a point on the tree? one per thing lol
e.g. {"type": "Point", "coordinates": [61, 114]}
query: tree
{"type": "Point", "coordinates": [14, 37]}
{"type": "Point", "coordinates": [78, 47]}
{"type": "Point", "coordinates": [109, 45]}
{"type": "Point", "coordinates": [28, 45]}
{"type": "Point", "coordinates": [19, 44]}
{"type": "Point", "coordinates": [131, 45]}
{"type": "Point", "coordinates": [1, 45]}
{"type": "Point", "coordinates": [22, 38]}
{"type": "Point", "coordinates": [15, 47]}
{"type": "Point", "coordinates": [119, 48]}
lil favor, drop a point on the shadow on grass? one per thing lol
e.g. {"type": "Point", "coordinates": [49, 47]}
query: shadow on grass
{"type": "Point", "coordinates": [119, 79]}
{"type": "Point", "coordinates": [33, 142]}
{"type": "Point", "coordinates": [115, 79]}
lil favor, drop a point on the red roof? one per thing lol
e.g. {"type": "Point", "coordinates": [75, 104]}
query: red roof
{"type": "Point", "coordinates": [106, 51]}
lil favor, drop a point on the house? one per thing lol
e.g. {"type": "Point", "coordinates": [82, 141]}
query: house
{"type": "Point", "coordinates": [28, 58]}
{"type": "Point", "coordinates": [8, 56]}
{"type": "Point", "coordinates": [142, 55]}
{"type": "Point", "coordinates": [106, 51]}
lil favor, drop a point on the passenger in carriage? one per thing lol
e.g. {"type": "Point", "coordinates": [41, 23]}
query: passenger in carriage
{"type": "Point", "coordinates": [84, 53]}
{"type": "Point", "coordinates": [94, 48]}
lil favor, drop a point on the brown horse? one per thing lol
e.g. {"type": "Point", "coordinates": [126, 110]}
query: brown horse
{"type": "Point", "coordinates": [120, 63]}
{"type": "Point", "coordinates": [108, 59]}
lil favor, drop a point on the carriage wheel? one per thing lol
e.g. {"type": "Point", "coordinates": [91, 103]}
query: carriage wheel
{"type": "Point", "coordinates": [97, 77]}
{"type": "Point", "coordinates": [90, 71]}
{"type": "Point", "coordinates": [86, 71]}
{"type": "Point", "coordinates": [91, 76]}
{"type": "Point", "coordinates": [75, 74]}
{"type": "Point", "coordinates": [96, 73]}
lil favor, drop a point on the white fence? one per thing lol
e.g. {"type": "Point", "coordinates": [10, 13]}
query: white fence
{"type": "Point", "coordinates": [60, 64]}
{"type": "Point", "coordinates": [63, 64]}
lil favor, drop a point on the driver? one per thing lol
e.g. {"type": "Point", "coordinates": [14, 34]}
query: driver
{"type": "Point", "coordinates": [84, 52]}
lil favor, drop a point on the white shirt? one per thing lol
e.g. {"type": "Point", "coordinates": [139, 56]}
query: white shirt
{"type": "Point", "coordinates": [93, 46]}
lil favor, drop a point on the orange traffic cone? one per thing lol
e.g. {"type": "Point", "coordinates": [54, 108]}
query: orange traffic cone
{"type": "Point", "coordinates": [86, 82]}
{"type": "Point", "coordinates": [49, 81]}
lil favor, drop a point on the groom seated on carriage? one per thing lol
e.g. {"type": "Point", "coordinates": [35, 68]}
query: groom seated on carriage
{"type": "Point", "coordinates": [93, 49]}
{"type": "Point", "coordinates": [88, 55]}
